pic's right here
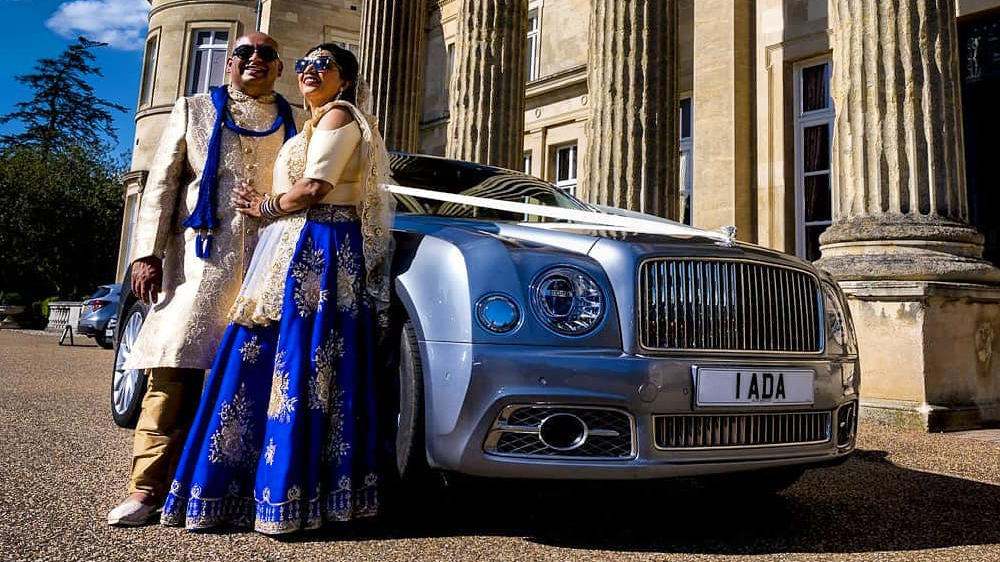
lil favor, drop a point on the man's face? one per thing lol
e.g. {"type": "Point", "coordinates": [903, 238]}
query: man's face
{"type": "Point", "coordinates": [248, 66]}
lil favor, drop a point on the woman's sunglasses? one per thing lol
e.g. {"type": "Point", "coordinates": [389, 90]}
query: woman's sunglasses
{"type": "Point", "coordinates": [319, 63]}
{"type": "Point", "coordinates": [265, 52]}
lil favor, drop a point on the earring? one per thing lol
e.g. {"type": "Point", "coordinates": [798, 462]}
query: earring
{"type": "Point", "coordinates": [339, 93]}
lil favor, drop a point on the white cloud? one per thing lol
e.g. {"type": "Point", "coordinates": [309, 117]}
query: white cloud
{"type": "Point", "coordinates": [119, 23]}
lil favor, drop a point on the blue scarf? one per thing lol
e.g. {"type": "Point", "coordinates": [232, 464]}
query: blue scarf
{"type": "Point", "coordinates": [204, 218]}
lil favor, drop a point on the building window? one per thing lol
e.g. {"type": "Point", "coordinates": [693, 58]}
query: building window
{"type": "Point", "coordinates": [566, 168]}
{"type": "Point", "coordinates": [527, 162]}
{"type": "Point", "coordinates": [685, 165]}
{"type": "Point", "coordinates": [209, 50]}
{"type": "Point", "coordinates": [813, 176]}
{"type": "Point", "coordinates": [531, 52]}
{"type": "Point", "coordinates": [449, 66]}
{"type": "Point", "coordinates": [148, 71]}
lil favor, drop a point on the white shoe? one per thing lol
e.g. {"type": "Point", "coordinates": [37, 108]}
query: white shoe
{"type": "Point", "coordinates": [132, 513]}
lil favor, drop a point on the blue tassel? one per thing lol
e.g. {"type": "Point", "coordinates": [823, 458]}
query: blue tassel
{"type": "Point", "coordinates": [204, 214]}
{"type": "Point", "coordinates": [203, 246]}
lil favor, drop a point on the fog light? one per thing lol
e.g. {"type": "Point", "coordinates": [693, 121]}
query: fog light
{"type": "Point", "coordinates": [498, 313]}
{"type": "Point", "coordinates": [847, 423]}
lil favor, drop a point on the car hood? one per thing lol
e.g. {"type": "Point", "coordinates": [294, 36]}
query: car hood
{"type": "Point", "coordinates": [593, 240]}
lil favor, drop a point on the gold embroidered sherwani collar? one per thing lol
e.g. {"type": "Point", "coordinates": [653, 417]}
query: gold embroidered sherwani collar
{"type": "Point", "coordinates": [242, 97]}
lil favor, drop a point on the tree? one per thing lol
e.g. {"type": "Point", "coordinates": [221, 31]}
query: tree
{"type": "Point", "coordinates": [64, 111]}
{"type": "Point", "coordinates": [60, 227]}
{"type": "Point", "coordinates": [60, 187]}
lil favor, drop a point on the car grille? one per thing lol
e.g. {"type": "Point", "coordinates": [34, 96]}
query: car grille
{"type": "Point", "coordinates": [516, 433]}
{"type": "Point", "coordinates": [708, 431]}
{"type": "Point", "coordinates": [727, 305]}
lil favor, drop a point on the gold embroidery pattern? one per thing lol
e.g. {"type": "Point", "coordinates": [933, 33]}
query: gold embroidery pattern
{"type": "Point", "coordinates": [336, 448]}
{"type": "Point", "coordinates": [308, 271]}
{"type": "Point", "coordinates": [332, 214]}
{"type": "Point", "coordinates": [281, 405]}
{"type": "Point", "coordinates": [185, 329]}
{"type": "Point", "coordinates": [348, 278]}
{"type": "Point", "coordinates": [265, 307]}
{"type": "Point", "coordinates": [232, 444]}
{"type": "Point", "coordinates": [296, 151]}
{"type": "Point", "coordinates": [250, 350]}
{"type": "Point", "coordinates": [269, 452]}
{"type": "Point", "coordinates": [325, 357]}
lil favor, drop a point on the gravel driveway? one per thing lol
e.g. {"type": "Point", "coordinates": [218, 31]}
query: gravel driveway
{"type": "Point", "coordinates": [904, 496]}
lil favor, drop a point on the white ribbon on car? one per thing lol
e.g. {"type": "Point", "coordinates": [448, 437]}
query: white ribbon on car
{"type": "Point", "coordinates": [588, 218]}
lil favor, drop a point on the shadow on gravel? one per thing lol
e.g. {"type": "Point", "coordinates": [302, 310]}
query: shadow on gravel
{"type": "Point", "coordinates": [867, 504]}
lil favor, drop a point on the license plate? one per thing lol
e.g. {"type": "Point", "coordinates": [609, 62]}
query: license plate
{"type": "Point", "coordinates": [109, 333]}
{"type": "Point", "coordinates": [753, 387]}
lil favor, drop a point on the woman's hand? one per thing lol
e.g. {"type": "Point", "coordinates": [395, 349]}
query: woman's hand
{"type": "Point", "coordinates": [247, 200]}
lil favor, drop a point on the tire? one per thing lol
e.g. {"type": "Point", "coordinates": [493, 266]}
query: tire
{"type": "Point", "coordinates": [104, 341]}
{"type": "Point", "coordinates": [749, 485]}
{"type": "Point", "coordinates": [410, 448]}
{"type": "Point", "coordinates": [127, 387]}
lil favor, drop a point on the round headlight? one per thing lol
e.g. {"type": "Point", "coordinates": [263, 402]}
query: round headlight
{"type": "Point", "coordinates": [498, 313]}
{"type": "Point", "coordinates": [568, 300]}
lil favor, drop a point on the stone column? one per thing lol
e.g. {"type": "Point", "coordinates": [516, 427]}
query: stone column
{"type": "Point", "coordinates": [392, 60]}
{"type": "Point", "coordinates": [900, 245]}
{"type": "Point", "coordinates": [723, 108]}
{"type": "Point", "coordinates": [486, 124]}
{"type": "Point", "coordinates": [900, 206]}
{"type": "Point", "coordinates": [631, 157]}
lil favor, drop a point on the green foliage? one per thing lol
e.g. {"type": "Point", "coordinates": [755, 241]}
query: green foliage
{"type": "Point", "coordinates": [60, 190]}
{"type": "Point", "coordinates": [64, 112]}
{"type": "Point", "coordinates": [10, 298]}
{"type": "Point", "coordinates": [61, 221]}
{"type": "Point", "coordinates": [44, 305]}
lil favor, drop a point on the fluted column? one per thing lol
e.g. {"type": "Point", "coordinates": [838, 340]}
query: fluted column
{"type": "Point", "coordinates": [631, 157]}
{"type": "Point", "coordinates": [900, 207]}
{"type": "Point", "coordinates": [392, 59]}
{"type": "Point", "coordinates": [486, 124]}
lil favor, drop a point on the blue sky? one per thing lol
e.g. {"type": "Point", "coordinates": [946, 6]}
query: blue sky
{"type": "Point", "coordinates": [44, 28]}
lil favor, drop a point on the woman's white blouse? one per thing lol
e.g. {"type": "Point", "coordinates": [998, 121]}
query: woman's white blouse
{"type": "Point", "coordinates": [332, 156]}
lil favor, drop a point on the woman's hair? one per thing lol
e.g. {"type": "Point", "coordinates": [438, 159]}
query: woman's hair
{"type": "Point", "coordinates": [348, 65]}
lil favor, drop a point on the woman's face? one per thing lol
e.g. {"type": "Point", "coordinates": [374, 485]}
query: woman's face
{"type": "Point", "coordinates": [320, 86]}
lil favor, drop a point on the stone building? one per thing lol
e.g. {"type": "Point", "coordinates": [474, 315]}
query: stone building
{"type": "Point", "coordinates": [852, 132]}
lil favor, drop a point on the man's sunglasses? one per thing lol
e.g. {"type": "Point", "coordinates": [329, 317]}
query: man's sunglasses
{"type": "Point", "coordinates": [265, 52]}
{"type": "Point", "coordinates": [319, 63]}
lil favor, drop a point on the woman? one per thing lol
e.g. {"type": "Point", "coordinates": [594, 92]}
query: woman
{"type": "Point", "coordinates": [285, 437]}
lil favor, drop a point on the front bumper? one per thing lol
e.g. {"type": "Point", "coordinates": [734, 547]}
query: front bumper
{"type": "Point", "coordinates": [468, 385]}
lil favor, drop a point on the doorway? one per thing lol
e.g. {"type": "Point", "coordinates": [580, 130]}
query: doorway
{"type": "Point", "coordinates": [979, 41]}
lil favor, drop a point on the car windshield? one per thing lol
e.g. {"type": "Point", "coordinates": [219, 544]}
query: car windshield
{"type": "Point", "coordinates": [462, 178]}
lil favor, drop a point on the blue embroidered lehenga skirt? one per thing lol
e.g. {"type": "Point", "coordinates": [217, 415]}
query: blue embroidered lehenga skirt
{"type": "Point", "coordinates": [285, 437]}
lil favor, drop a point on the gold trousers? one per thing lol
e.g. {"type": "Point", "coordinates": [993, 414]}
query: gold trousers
{"type": "Point", "coordinates": [168, 409]}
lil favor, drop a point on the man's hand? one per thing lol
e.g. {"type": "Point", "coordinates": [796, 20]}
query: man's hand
{"type": "Point", "coordinates": [147, 278]}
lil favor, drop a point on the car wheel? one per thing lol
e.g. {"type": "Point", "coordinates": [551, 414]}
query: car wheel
{"type": "Point", "coordinates": [411, 456]}
{"type": "Point", "coordinates": [128, 386]}
{"type": "Point", "coordinates": [104, 341]}
{"type": "Point", "coordinates": [753, 484]}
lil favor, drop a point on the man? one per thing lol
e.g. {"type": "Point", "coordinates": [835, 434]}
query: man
{"type": "Point", "coordinates": [193, 249]}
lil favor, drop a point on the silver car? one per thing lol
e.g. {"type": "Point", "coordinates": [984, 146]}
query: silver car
{"type": "Point", "coordinates": [535, 336]}
{"type": "Point", "coordinates": [629, 348]}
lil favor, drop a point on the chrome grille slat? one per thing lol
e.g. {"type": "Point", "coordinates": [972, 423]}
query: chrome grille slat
{"type": "Point", "coordinates": [727, 305]}
{"type": "Point", "coordinates": [711, 431]}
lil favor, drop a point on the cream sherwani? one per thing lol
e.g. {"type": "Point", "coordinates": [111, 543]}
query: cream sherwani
{"type": "Point", "coordinates": [184, 328]}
